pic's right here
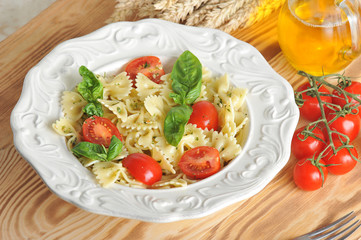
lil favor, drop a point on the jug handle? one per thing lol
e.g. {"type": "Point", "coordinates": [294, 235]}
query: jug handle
{"type": "Point", "coordinates": [351, 8]}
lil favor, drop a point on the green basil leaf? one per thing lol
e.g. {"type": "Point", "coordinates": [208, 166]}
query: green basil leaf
{"type": "Point", "coordinates": [94, 108]}
{"type": "Point", "coordinates": [174, 123]}
{"type": "Point", "coordinates": [115, 148]}
{"type": "Point", "coordinates": [194, 93]}
{"type": "Point", "coordinates": [186, 78]}
{"type": "Point", "coordinates": [90, 150]}
{"type": "Point", "coordinates": [90, 88]}
{"type": "Point", "coordinates": [177, 98]}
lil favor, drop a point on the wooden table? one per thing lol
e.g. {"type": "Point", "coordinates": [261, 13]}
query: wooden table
{"type": "Point", "coordinates": [28, 210]}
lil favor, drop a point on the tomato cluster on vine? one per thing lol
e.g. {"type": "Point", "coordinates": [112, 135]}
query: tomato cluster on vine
{"type": "Point", "coordinates": [324, 145]}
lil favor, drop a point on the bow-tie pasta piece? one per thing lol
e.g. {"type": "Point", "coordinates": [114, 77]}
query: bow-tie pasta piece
{"type": "Point", "coordinates": [69, 129]}
{"type": "Point", "coordinates": [117, 88]}
{"type": "Point", "coordinates": [146, 87]}
{"type": "Point", "coordinates": [72, 105]}
{"type": "Point", "coordinates": [117, 107]}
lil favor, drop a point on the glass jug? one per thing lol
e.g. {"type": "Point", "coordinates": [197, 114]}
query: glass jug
{"type": "Point", "coordinates": [320, 36]}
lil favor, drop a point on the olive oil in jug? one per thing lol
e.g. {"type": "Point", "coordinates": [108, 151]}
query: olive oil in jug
{"type": "Point", "coordinates": [315, 36]}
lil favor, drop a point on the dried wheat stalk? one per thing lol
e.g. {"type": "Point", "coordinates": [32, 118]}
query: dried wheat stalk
{"type": "Point", "coordinates": [124, 10]}
{"type": "Point", "coordinates": [264, 9]}
{"type": "Point", "coordinates": [224, 11]}
{"type": "Point", "coordinates": [239, 18]}
{"type": "Point", "coordinates": [180, 10]}
{"type": "Point", "coordinates": [147, 9]}
{"type": "Point", "coordinates": [199, 15]}
{"type": "Point", "coordinates": [226, 15]}
{"type": "Point", "coordinates": [164, 4]}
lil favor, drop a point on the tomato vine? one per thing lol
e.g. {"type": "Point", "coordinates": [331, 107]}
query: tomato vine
{"type": "Point", "coordinates": [328, 108]}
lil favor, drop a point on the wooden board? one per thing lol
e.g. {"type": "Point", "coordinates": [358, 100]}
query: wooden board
{"type": "Point", "coordinates": [28, 210]}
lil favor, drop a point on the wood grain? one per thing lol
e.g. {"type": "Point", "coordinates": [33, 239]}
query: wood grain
{"type": "Point", "coordinates": [28, 210]}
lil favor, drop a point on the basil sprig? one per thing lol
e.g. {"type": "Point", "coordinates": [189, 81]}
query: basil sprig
{"type": "Point", "coordinates": [175, 122]}
{"type": "Point", "coordinates": [91, 90]}
{"type": "Point", "coordinates": [99, 152]}
{"type": "Point", "coordinates": [186, 79]}
{"type": "Point", "coordinates": [186, 84]}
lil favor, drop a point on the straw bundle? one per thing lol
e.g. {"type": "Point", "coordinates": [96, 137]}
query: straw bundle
{"type": "Point", "coordinates": [226, 15]}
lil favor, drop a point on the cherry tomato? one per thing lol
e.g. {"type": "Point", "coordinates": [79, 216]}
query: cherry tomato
{"type": "Point", "coordinates": [310, 109]}
{"type": "Point", "coordinates": [143, 168]}
{"type": "Point", "coordinates": [348, 125]}
{"type": "Point", "coordinates": [342, 159]}
{"type": "Point", "coordinates": [200, 162]}
{"type": "Point", "coordinates": [150, 66]}
{"type": "Point", "coordinates": [100, 130]}
{"type": "Point", "coordinates": [307, 176]}
{"type": "Point", "coordinates": [339, 99]}
{"type": "Point", "coordinates": [306, 148]}
{"type": "Point", "coordinates": [204, 115]}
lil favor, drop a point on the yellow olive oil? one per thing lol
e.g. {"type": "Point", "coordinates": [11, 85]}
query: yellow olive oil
{"type": "Point", "coordinates": [315, 36]}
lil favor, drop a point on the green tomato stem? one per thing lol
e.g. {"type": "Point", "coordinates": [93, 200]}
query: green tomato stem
{"type": "Point", "coordinates": [315, 83]}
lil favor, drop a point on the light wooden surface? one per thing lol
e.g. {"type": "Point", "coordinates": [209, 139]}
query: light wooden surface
{"type": "Point", "coordinates": [28, 210]}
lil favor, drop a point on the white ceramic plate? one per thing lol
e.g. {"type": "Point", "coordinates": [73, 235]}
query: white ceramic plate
{"type": "Point", "coordinates": [273, 118]}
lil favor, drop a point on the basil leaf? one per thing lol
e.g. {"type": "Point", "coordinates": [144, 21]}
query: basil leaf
{"type": "Point", "coordinates": [94, 108]}
{"type": "Point", "coordinates": [115, 148]}
{"type": "Point", "coordinates": [90, 150]}
{"type": "Point", "coordinates": [186, 84]}
{"type": "Point", "coordinates": [186, 78]}
{"type": "Point", "coordinates": [194, 93]}
{"type": "Point", "coordinates": [91, 89]}
{"type": "Point", "coordinates": [177, 98]}
{"type": "Point", "coordinates": [174, 123]}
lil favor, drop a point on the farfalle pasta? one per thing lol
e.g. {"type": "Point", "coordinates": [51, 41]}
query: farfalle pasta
{"type": "Point", "coordinates": [72, 104]}
{"type": "Point", "coordinates": [117, 87]}
{"type": "Point", "coordinates": [139, 113]}
{"type": "Point", "coordinates": [69, 129]}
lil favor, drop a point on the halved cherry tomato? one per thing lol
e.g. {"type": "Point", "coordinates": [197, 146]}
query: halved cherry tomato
{"type": "Point", "coordinates": [200, 162]}
{"type": "Point", "coordinates": [150, 66]}
{"type": "Point", "coordinates": [342, 160]}
{"type": "Point", "coordinates": [306, 148]}
{"type": "Point", "coordinates": [204, 115]}
{"type": "Point", "coordinates": [307, 176]}
{"type": "Point", "coordinates": [100, 130]}
{"type": "Point", "coordinates": [348, 125]}
{"type": "Point", "coordinates": [310, 109]}
{"type": "Point", "coordinates": [143, 168]}
{"type": "Point", "coordinates": [339, 99]}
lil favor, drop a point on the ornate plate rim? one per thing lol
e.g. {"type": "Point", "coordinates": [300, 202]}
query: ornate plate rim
{"type": "Point", "coordinates": [265, 153]}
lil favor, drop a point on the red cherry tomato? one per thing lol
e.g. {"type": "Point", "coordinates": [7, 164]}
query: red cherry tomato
{"type": "Point", "coordinates": [302, 147]}
{"type": "Point", "coordinates": [150, 66]}
{"type": "Point", "coordinates": [348, 125]}
{"type": "Point", "coordinates": [339, 99]}
{"type": "Point", "coordinates": [200, 162]}
{"type": "Point", "coordinates": [143, 168]}
{"type": "Point", "coordinates": [310, 109]}
{"type": "Point", "coordinates": [100, 130]}
{"type": "Point", "coordinates": [307, 176]}
{"type": "Point", "coordinates": [204, 115]}
{"type": "Point", "coordinates": [342, 159]}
